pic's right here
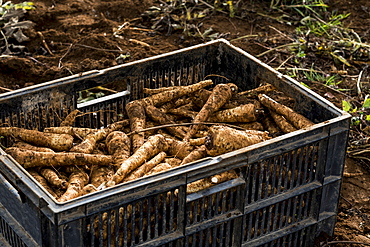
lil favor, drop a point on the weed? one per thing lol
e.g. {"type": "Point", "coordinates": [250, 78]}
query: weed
{"type": "Point", "coordinates": [328, 80]}
{"type": "Point", "coordinates": [11, 26]}
{"type": "Point", "coordinates": [359, 115]}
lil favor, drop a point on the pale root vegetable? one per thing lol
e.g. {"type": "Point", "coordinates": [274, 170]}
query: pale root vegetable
{"type": "Point", "coordinates": [183, 112]}
{"type": "Point", "coordinates": [57, 142]}
{"type": "Point", "coordinates": [242, 114]}
{"type": "Point", "coordinates": [180, 102]}
{"type": "Point", "coordinates": [200, 97]}
{"type": "Point", "coordinates": [282, 123]}
{"type": "Point", "coordinates": [251, 126]}
{"type": "Point", "coordinates": [163, 118]}
{"type": "Point", "coordinates": [208, 182]}
{"type": "Point", "coordinates": [87, 189]}
{"type": "Point", "coordinates": [223, 177]}
{"type": "Point", "coordinates": [258, 90]}
{"type": "Point", "coordinates": [223, 139]}
{"type": "Point", "coordinates": [29, 158]}
{"type": "Point", "coordinates": [118, 144]}
{"type": "Point", "coordinates": [77, 180]}
{"type": "Point", "coordinates": [174, 162]}
{"type": "Point", "coordinates": [221, 93]}
{"type": "Point", "coordinates": [197, 141]}
{"type": "Point", "coordinates": [53, 178]}
{"type": "Point", "coordinates": [70, 119]}
{"type": "Point", "coordinates": [198, 153]}
{"type": "Point", "coordinates": [73, 131]}
{"type": "Point", "coordinates": [136, 113]}
{"type": "Point", "coordinates": [270, 126]}
{"type": "Point", "coordinates": [89, 143]}
{"type": "Point", "coordinates": [25, 145]}
{"type": "Point", "coordinates": [146, 167]}
{"type": "Point", "coordinates": [299, 121]}
{"type": "Point", "coordinates": [166, 96]}
{"type": "Point", "coordinates": [159, 168]}
{"type": "Point", "coordinates": [154, 145]}
{"type": "Point", "coordinates": [42, 181]}
{"type": "Point", "coordinates": [101, 174]}
{"type": "Point", "coordinates": [178, 148]}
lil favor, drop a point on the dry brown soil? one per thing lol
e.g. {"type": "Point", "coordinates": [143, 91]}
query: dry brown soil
{"type": "Point", "coordinates": [72, 36]}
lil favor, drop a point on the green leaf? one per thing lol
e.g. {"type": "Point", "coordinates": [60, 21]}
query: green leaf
{"type": "Point", "coordinates": [367, 117]}
{"type": "Point", "coordinates": [346, 106]}
{"type": "Point", "coordinates": [366, 103]}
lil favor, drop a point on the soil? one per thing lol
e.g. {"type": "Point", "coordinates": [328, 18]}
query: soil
{"type": "Point", "coordinates": [72, 36]}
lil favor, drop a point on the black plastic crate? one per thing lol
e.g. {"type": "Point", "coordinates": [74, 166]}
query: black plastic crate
{"type": "Point", "coordinates": [286, 194]}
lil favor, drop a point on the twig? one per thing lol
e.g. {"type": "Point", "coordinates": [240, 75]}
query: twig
{"type": "Point", "coordinates": [91, 47]}
{"type": "Point", "coordinates": [343, 242]}
{"type": "Point", "coordinates": [44, 43]}
{"type": "Point", "coordinates": [243, 37]}
{"type": "Point", "coordinates": [139, 42]}
{"type": "Point", "coordinates": [217, 76]}
{"type": "Point", "coordinates": [282, 64]}
{"type": "Point", "coordinates": [283, 34]}
{"type": "Point", "coordinates": [358, 84]}
{"type": "Point", "coordinates": [276, 48]}
{"type": "Point", "coordinates": [37, 61]}
{"type": "Point", "coordinates": [65, 54]}
{"type": "Point", "coordinates": [5, 89]}
{"type": "Point", "coordinates": [181, 124]}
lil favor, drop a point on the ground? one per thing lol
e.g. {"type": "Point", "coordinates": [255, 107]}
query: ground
{"type": "Point", "coordinates": [72, 36]}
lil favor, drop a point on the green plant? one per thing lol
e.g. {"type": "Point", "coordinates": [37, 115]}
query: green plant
{"type": "Point", "coordinates": [303, 8]}
{"type": "Point", "coordinates": [11, 25]}
{"type": "Point", "coordinates": [359, 115]}
{"type": "Point", "coordinates": [328, 80]}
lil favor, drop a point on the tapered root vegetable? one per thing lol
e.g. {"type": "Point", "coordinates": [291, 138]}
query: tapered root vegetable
{"type": "Point", "coordinates": [70, 119]}
{"type": "Point", "coordinates": [136, 113]}
{"type": "Point", "coordinates": [242, 114]}
{"type": "Point", "coordinates": [270, 126]}
{"type": "Point", "coordinates": [197, 141]}
{"type": "Point", "coordinates": [223, 139]}
{"type": "Point", "coordinates": [29, 158]}
{"type": "Point", "coordinates": [118, 144]}
{"type": "Point", "coordinates": [166, 96]}
{"type": "Point", "coordinates": [43, 182]}
{"type": "Point", "coordinates": [87, 189]}
{"type": "Point", "coordinates": [251, 126]}
{"type": "Point", "coordinates": [208, 182]}
{"type": "Point", "coordinates": [89, 143]}
{"type": "Point", "coordinates": [53, 178]}
{"type": "Point", "coordinates": [159, 168]}
{"type": "Point", "coordinates": [101, 174]}
{"type": "Point", "coordinates": [57, 142]}
{"type": "Point", "coordinates": [174, 162]}
{"type": "Point", "coordinates": [298, 120]}
{"type": "Point", "coordinates": [282, 123]}
{"type": "Point", "coordinates": [25, 145]}
{"type": "Point", "coordinates": [196, 154]}
{"type": "Point", "coordinates": [258, 90]}
{"type": "Point", "coordinates": [146, 167]}
{"type": "Point", "coordinates": [221, 93]}
{"type": "Point", "coordinates": [73, 131]}
{"type": "Point", "coordinates": [178, 149]}
{"type": "Point", "coordinates": [77, 180]}
{"type": "Point", "coordinates": [154, 145]}
{"type": "Point", "coordinates": [162, 118]}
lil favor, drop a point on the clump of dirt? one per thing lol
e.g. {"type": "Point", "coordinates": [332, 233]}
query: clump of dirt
{"type": "Point", "coordinates": [70, 37]}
